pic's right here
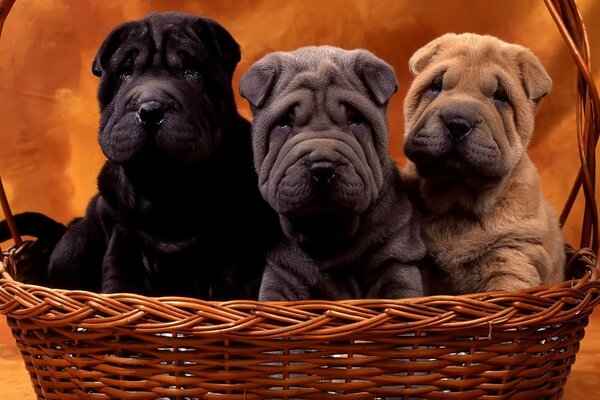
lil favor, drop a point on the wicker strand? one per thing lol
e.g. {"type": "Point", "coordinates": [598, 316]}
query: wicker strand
{"type": "Point", "coordinates": [12, 226]}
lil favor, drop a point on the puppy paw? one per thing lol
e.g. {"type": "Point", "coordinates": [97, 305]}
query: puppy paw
{"type": "Point", "coordinates": [397, 282]}
{"type": "Point", "coordinates": [509, 282]}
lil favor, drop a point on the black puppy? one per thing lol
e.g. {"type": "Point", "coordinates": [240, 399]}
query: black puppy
{"type": "Point", "coordinates": [178, 210]}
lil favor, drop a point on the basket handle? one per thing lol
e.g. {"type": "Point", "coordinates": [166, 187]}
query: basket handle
{"type": "Point", "coordinates": [12, 226]}
{"type": "Point", "coordinates": [5, 6]}
{"type": "Point", "coordinates": [570, 23]}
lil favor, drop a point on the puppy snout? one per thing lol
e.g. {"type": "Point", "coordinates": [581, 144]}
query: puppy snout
{"type": "Point", "coordinates": [322, 172]}
{"type": "Point", "coordinates": [458, 128]}
{"type": "Point", "coordinates": [151, 114]}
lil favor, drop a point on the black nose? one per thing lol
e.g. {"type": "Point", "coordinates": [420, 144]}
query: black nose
{"type": "Point", "coordinates": [458, 128]}
{"type": "Point", "coordinates": [151, 114]}
{"type": "Point", "coordinates": [322, 172]}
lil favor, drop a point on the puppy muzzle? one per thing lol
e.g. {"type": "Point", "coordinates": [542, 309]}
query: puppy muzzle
{"type": "Point", "coordinates": [158, 119]}
{"type": "Point", "coordinates": [454, 138]}
{"type": "Point", "coordinates": [319, 173]}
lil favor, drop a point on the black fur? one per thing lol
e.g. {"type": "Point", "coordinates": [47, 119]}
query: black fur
{"type": "Point", "coordinates": [32, 258]}
{"type": "Point", "coordinates": [178, 210]}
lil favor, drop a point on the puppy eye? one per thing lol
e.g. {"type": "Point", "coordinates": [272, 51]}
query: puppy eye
{"type": "Point", "coordinates": [500, 95]}
{"type": "Point", "coordinates": [127, 68]}
{"type": "Point", "coordinates": [436, 85]}
{"type": "Point", "coordinates": [285, 123]}
{"type": "Point", "coordinates": [286, 120]}
{"type": "Point", "coordinates": [354, 118]}
{"type": "Point", "coordinates": [191, 69]}
{"type": "Point", "coordinates": [191, 72]}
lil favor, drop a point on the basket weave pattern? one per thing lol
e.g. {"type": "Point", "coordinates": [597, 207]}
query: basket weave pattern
{"type": "Point", "coordinates": [500, 345]}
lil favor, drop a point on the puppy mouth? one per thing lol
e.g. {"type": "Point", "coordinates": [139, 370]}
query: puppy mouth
{"type": "Point", "coordinates": [319, 206]}
{"type": "Point", "coordinates": [452, 167]}
{"type": "Point", "coordinates": [449, 164]}
{"type": "Point", "coordinates": [323, 226]}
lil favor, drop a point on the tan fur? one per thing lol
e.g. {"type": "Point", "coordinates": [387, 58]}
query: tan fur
{"type": "Point", "coordinates": [486, 226]}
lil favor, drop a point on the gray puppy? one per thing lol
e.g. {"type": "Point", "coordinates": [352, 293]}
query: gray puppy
{"type": "Point", "coordinates": [320, 151]}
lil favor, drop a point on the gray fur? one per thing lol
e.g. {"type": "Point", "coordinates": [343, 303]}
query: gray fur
{"type": "Point", "coordinates": [357, 234]}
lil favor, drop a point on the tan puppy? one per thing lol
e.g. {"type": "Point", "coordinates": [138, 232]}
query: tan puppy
{"type": "Point", "coordinates": [469, 115]}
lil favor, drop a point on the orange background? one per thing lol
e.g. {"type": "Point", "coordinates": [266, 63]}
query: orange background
{"type": "Point", "coordinates": [49, 157]}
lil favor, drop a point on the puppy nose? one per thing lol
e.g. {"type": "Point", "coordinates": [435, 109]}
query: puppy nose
{"type": "Point", "coordinates": [322, 172]}
{"type": "Point", "coordinates": [151, 114]}
{"type": "Point", "coordinates": [458, 128]}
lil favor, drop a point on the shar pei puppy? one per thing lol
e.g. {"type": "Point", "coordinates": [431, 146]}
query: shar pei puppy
{"type": "Point", "coordinates": [469, 116]}
{"type": "Point", "coordinates": [320, 151]}
{"type": "Point", "coordinates": [178, 210]}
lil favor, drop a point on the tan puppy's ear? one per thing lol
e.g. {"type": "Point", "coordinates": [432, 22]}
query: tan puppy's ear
{"type": "Point", "coordinates": [257, 82]}
{"type": "Point", "coordinates": [423, 57]}
{"type": "Point", "coordinates": [378, 76]}
{"type": "Point", "coordinates": [535, 79]}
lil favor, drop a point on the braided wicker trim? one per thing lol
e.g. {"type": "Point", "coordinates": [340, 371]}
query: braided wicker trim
{"type": "Point", "coordinates": [52, 308]}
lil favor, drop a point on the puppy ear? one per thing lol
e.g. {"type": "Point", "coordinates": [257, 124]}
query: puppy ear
{"type": "Point", "coordinates": [534, 77]}
{"type": "Point", "coordinates": [220, 42]}
{"type": "Point", "coordinates": [109, 46]}
{"type": "Point", "coordinates": [378, 76]}
{"type": "Point", "coordinates": [257, 82]}
{"type": "Point", "coordinates": [423, 57]}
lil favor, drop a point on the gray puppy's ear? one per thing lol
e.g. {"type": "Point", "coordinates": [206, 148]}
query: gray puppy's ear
{"type": "Point", "coordinates": [257, 82]}
{"type": "Point", "coordinates": [534, 77]}
{"type": "Point", "coordinates": [378, 76]}
{"type": "Point", "coordinates": [425, 55]}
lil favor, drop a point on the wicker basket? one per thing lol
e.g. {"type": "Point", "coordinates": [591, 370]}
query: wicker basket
{"type": "Point", "coordinates": [502, 345]}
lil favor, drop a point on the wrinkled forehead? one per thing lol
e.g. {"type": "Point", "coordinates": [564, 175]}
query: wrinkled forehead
{"type": "Point", "coordinates": [477, 53]}
{"type": "Point", "coordinates": [168, 30]}
{"type": "Point", "coordinates": [480, 63]}
{"type": "Point", "coordinates": [315, 71]}
{"type": "Point", "coordinates": [160, 34]}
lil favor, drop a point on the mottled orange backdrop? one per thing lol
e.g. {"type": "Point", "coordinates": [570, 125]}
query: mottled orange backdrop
{"type": "Point", "coordinates": [48, 115]}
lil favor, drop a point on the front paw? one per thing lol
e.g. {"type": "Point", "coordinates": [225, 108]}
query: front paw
{"type": "Point", "coordinates": [282, 292]}
{"type": "Point", "coordinates": [398, 283]}
{"type": "Point", "coordinates": [509, 282]}
{"type": "Point", "coordinates": [279, 284]}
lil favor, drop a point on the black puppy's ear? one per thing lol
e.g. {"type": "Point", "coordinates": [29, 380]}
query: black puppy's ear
{"type": "Point", "coordinates": [109, 46]}
{"type": "Point", "coordinates": [219, 41]}
{"type": "Point", "coordinates": [257, 82]}
{"type": "Point", "coordinates": [378, 76]}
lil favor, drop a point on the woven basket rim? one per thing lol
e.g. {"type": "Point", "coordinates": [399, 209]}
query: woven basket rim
{"type": "Point", "coordinates": [593, 275]}
{"type": "Point", "coordinates": [307, 319]}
